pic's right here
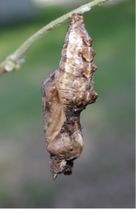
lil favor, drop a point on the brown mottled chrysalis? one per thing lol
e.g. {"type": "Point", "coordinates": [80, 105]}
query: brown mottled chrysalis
{"type": "Point", "coordinates": [67, 91]}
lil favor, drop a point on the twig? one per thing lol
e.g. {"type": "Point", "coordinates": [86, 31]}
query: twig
{"type": "Point", "coordinates": [15, 60]}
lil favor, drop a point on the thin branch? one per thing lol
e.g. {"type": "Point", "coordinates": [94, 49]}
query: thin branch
{"type": "Point", "coordinates": [15, 60]}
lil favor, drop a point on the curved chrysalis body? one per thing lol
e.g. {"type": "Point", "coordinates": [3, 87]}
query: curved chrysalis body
{"type": "Point", "coordinates": [65, 94]}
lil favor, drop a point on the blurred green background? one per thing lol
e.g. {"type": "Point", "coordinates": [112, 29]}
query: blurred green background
{"type": "Point", "coordinates": [104, 175]}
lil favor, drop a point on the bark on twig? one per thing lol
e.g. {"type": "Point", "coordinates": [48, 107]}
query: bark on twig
{"type": "Point", "coordinates": [15, 60]}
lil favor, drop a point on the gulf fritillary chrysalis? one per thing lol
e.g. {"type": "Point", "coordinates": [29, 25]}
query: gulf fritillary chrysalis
{"type": "Point", "coordinates": [65, 94]}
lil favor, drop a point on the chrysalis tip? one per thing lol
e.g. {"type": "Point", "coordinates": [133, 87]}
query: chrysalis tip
{"type": "Point", "coordinates": [55, 176]}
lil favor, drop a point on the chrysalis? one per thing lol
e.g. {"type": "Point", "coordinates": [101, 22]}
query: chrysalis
{"type": "Point", "coordinates": [65, 94]}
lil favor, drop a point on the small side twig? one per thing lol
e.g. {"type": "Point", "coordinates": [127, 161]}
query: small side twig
{"type": "Point", "coordinates": [15, 60]}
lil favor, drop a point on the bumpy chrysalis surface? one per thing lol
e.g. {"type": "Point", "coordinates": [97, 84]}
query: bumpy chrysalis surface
{"type": "Point", "coordinates": [65, 94]}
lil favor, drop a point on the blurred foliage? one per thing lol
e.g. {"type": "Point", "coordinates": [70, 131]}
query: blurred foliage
{"type": "Point", "coordinates": [112, 31]}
